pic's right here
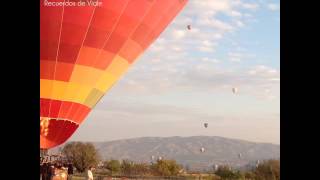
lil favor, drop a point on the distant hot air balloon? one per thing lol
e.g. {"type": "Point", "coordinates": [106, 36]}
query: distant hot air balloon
{"type": "Point", "coordinates": [84, 50]}
{"type": "Point", "coordinates": [202, 149]}
{"type": "Point", "coordinates": [205, 125]}
{"type": "Point", "coordinates": [234, 90]}
{"type": "Point", "coordinates": [215, 167]}
{"type": "Point", "coordinates": [257, 163]}
{"type": "Point", "coordinates": [189, 27]}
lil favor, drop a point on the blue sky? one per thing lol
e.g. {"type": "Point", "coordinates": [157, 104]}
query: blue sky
{"type": "Point", "coordinates": [185, 78]}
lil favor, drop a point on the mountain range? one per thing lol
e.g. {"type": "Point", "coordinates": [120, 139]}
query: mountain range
{"type": "Point", "coordinates": [196, 152]}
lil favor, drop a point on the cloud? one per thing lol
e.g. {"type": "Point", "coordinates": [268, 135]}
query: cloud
{"type": "Point", "coordinates": [239, 23]}
{"type": "Point", "coordinates": [211, 5]}
{"type": "Point", "coordinates": [207, 46]}
{"type": "Point", "coordinates": [208, 60]}
{"type": "Point", "coordinates": [199, 75]}
{"type": "Point", "coordinates": [192, 62]}
{"type": "Point", "coordinates": [264, 70]}
{"type": "Point", "coordinates": [273, 7]}
{"type": "Point", "coordinates": [178, 34]}
{"type": "Point", "coordinates": [250, 6]}
{"type": "Point", "coordinates": [235, 14]}
{"type": "Point", "coordinates": [239, 54]}
{"type": "Point", "coordinates": [112, 117]}
{"type": "Point", "coordinates": [215, 23]}
{"type": "Point", "coordinates": [208, 30]}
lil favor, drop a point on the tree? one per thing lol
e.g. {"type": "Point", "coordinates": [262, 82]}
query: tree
{"type": "Point", "coordinates": [141, 169]}
{"type": "Point", "coordinates": [166, 168]}
{"type": "Point", "coordinates": [225, 172]}
{"type": "Point", "coordinates": [113, 166]}
{"type": "Point", "coordinates": [249, 175]}
{"type": "Point", "coordinates": [82, 155]}
{"type": "Point", "coordinates": [127, 167]}
{"type": "Point", "coordinates": [268, 170]}
{"type": "Point", "coordinates": [187, 167]}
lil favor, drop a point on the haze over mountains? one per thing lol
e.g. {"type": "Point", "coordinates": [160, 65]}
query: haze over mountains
{"type": "Point", "coordinates": [186, 150]}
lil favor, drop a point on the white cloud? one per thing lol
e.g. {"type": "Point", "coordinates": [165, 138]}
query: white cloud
{"type": "Point", "coordinates": [239, 23]}
{"type": "Point", "coordinates": [206, 46]}
{"type": "Point", "coordinates": [250, 6]}
{"type": "Point", "coordinates": [236, 14]}
{"type": "Point", "coordinates": [178, 34]}
{"type": "Point", "coordinates": [239, 54]}
{"type": "Point", "coordinates": [275, 79]}
{"type": "Point", "coordinates": [215, 23]}
{"type": "Point", "coordinates": [264, 70]}
{"type": "Point", "coordinates": [208, 60]}
{"type": "Point", "coordinates": [188, 60]}
{"type": "Point", "coordinates": [212, 5]}
{"type": "Point", "coordinates": [247, 15]}
{"type": "Point", "coordinates": [273, 7]}
{"type": "Point", "coordinates": [235, 56]}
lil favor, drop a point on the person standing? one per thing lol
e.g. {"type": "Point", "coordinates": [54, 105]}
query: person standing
{"type": "Point", "coordinates": [44, 170]}
{"type": "Point", "coordinates": [70, 171]}
{"type": "Point", "coordinates": [89, 175]}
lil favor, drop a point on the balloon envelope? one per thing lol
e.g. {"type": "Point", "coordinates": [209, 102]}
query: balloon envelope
{"type": "Point", "coordinates": [83, 52]}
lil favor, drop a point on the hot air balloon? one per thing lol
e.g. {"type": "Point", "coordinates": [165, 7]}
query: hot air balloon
{"type": "Point", "coordinates": [205, 125]}
{"type": "Point", "coordinates": [202, 149]}
{"type": "Point", "coordinates": [84, 50]}
{"type": "Point", "coordinates": [189, 27]}
{"type": "Point", "coordinates": [215, 167]}
{"type": "Point", "coordinates": [257, 163]}
{"type": "Point", "coordinates": [234, 90]}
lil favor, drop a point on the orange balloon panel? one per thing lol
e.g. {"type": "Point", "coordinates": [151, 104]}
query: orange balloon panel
{"type": "Point", "coordinates": [85, 49]}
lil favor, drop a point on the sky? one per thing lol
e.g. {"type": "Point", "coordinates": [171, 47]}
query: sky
{"type": "Point", "coordinates": [185, 78]}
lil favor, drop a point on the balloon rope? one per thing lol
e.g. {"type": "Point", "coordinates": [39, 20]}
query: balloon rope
{"type": "Point", "coordinates": [56, 60]}
{"type": "Point", "coordinates": [64, 122]}
{"type": "Point", "coordinates": [105, 42]}
{"type": "Point", "coordinates": [150, 33]}
{"type": "Point", "coordinates": [57, 55]}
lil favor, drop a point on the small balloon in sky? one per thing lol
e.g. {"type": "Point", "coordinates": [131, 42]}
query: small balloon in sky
{"type": "Point", "coordinates": [205, 125]}
{"type": "Point", "coordinates": [234, 90]}
{"type": "Point", "coordinates": [216, 166]}
{"type": "Point", "coordinates": [202, 149]}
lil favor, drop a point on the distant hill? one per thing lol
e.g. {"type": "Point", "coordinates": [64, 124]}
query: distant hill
{"type": "Point", "coordinates": [186, 150]}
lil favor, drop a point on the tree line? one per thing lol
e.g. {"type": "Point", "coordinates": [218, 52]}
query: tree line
{"type": "Point", "coordinates": [83, 155]}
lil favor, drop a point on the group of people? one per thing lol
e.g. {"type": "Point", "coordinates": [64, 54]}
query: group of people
{"type": "Point", "coordinates": [60, 171]}
{"type": "Point", "coordinates": [56, 171]}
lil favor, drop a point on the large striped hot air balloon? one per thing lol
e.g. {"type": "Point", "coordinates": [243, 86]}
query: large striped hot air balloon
{"type": "Point", "coordinates": [85, 49]}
